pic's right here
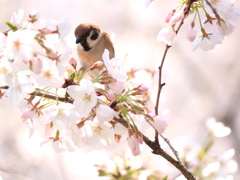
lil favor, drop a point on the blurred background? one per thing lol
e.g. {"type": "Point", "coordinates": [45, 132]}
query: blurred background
{"type": "Point", "coordinates": [199, 84]}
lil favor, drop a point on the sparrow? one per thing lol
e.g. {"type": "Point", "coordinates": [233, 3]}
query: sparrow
{"type": "Point", "coordinates": [91, 42]}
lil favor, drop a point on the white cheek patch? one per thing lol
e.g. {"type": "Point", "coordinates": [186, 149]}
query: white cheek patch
{"type": "Point", "coordinates": [92, 43]}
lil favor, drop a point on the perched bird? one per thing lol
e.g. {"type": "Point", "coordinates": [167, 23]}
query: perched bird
{"type": "Point", "coordinates": [91, 42]}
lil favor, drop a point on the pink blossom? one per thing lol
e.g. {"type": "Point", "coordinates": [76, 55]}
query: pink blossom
{"type": "Point", "coordinates": [167, 35]}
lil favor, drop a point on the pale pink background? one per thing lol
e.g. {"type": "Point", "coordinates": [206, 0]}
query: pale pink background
{"type": "Point", "coordinates": [198, 84]}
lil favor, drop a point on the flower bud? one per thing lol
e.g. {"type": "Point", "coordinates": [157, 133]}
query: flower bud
{"type": "Point", "coordinates": [73, 62]}
{"type": "Point", "coordinates": [191, 32]}
{"type": "Point", "coordinates": [34, 16]}
{"type": "Point", "coordinates": [96, 65]}
{"type": "Point", "coordinates": [134, 145]}
{"type": "Point", "coordinates": [170, 15]}
{"type": "Point", "coordinates": [177, 17]}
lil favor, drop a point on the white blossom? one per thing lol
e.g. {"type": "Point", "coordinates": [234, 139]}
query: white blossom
{"type": "Point", "coordinates": [218, 129]}
{"type": "Point", "coordinates": [18, 44]}
{"type": "Point", "coordinates": [84, 96]}
{"type": "Point", "coordinates": [207, 43]}
{"type": "Point", "coordinates": [115, 70]}
{"type": "Point", "coordinates": [104, 113]}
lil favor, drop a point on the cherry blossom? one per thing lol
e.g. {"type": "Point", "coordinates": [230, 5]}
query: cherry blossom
{"type": "Point", "coordinates": [62, 115]}
{"type": "Point", "coordinates": [160, 124]}
{"type": "Point", "coordinates": [6, 72]}
{"type": "Point", "coordinates": [49, 74]}
{"type": "Point", "coordinates": [104, 113]}
{"type": "Point", "coordinates": [19, 87]}
{"type": "Point", "coordinates": [84, 96]}
{"type": "Point", "coordinates": [17, 18]}
{"type": "Point", "coordinates": [217, 129]}
{"type": "Point", "coordinates": [207, 43]}
{"type": "Point", "coordinates": [18, 44]}
{"type": "Point", "coordinates": [114, 68]}
{"type": "Point", "coordinates": [167, 35]}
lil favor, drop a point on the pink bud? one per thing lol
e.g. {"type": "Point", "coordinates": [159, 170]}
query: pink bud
{"type": "Point", "coordinates": [51, 54]}
{"type": "Point", "coordinates": [191, 32]}
{"type": "Point", "coordinates": [134, 145]}
{"type": "Point", "coordinates": [34, 16]}
{"type": "Point", "coordinates": [97, 65]}
{"type": "Point", "coordinates": [117, 138]}
{"type": "Point", "coordinates": [177, 17]}
{"type": "Point", "coordinates": [142, 88]}
{"type": "Point", "coordinates": [73, 62]}
{"type": "Point", "coordinates": [36, 65]}
{"type": "Point", "coordinates": [29, 113]}
{"type": "Point", "coordinates": [110, 95]}
{"type": "Point", "coordinates": [169, 15]}
{"type": "Point", "coordinates": [160, 124]}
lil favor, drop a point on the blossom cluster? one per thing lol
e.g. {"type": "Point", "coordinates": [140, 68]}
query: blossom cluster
{"type": "Point", "coordinates": [198, 157]}
{"type": "Point", "coordinates": [212, 21]}
{"type": "Point", "coordinates": [39, 75]}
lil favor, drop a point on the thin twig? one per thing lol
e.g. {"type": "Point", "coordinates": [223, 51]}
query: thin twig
{"type": "Point", "coordinates": [53, 97]}
{"type": "Point", "coordinates": [210, 5]}
{"type": "Point", "coordinates": [167, 141]}
{"type": "Point", "coordinates": [160, 86]}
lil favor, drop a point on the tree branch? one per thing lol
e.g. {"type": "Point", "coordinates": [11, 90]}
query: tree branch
{"type": "Point", "coordinates": [156, 149]}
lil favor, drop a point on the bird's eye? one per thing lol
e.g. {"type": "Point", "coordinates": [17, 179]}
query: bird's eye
{"type": "Point", "coordinates": [94, 35]}
{"type": "Point", "coordinates": [87, 34]}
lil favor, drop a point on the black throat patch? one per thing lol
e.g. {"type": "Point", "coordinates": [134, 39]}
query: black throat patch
{"type": "Point", "coordinates": [85, 45]}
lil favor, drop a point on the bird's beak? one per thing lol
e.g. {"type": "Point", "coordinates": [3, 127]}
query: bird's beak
{"type": "Point", "coordinates": [78, 39]}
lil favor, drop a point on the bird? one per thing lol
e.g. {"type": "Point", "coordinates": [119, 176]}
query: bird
{"type": "Point", "coordinates": [91, 42]}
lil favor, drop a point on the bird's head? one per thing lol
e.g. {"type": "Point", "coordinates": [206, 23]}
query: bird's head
{"type": "Point", "coordinates": [87, 35]}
